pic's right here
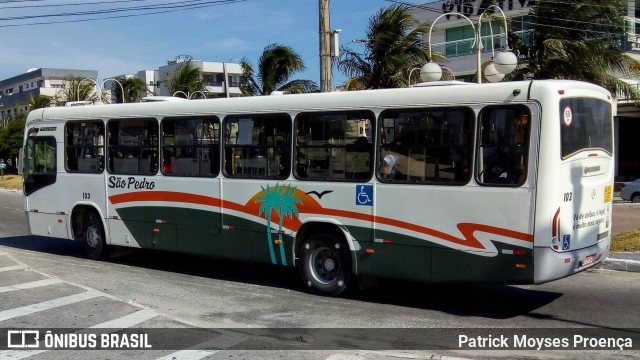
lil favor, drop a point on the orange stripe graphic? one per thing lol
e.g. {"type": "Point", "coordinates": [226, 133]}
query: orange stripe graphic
{"type": "Point", "coordinates": [467, 229]}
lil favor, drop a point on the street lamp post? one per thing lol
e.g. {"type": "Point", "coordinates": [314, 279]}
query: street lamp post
{"type": "Point", "coordinates": [505, 62]}
{"type": "Point", "coordinates": [432, 71]}
{"type": "Point", "coordinates": [78, 88]}
{"type": "Point", "coordinates": [121, 87]}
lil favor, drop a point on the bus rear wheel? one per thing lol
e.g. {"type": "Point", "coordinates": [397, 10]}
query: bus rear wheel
{"type": "Point", "coordinates": [324, 265]}
{"type": "Point", "coordinates": [94, 242]}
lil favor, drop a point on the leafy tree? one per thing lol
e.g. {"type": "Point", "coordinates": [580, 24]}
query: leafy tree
{"type": "Point", "coordinates": [77, 88]}
{"type": "Point", "coordinates": [38, 102]}
{"type": "Point", "coordinates": [579, 40]}
{"type": "Point", "coordinates": [11, 137]}
{"type": "Point", "coordinates": [393, 46]}
{"type": "Point", "coordinates": [275, 67]}
{"type": "Point", "coordinates": [186, 78]}
{"type": "Point", "coordinates": [134, 90]}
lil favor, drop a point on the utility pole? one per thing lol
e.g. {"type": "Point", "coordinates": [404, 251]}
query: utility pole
{"type": "Point", "coordinates": [325, 45]}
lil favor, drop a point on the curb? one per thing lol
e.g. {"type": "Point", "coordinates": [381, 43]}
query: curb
{"type": "Point", "coordinates": [620, 264]}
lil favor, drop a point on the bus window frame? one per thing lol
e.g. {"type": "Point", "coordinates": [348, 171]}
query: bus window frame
{"type": "Point", "coordinates": [526, 150]}
{"type": "Point", "coordinates": [279, 116]}
{"type": "Point", "coordinates": [364, 114]}
{"type": "Point", "coordinates": [470, 146]}
{"type": "Point", "coordinates": [150, 148]}
{"type": "Point", "coordinates": [101, 162]}
{"type": "Point", "coordinates": [217, 141]}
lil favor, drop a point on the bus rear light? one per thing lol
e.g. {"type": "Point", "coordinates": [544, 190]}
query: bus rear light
{"type": "Point", "coordinates": [521, 266]}
{"type": "Point", "coordinates": [561, 92]}
{"type": "Point", "coordinates": [593, 155]}
{"type": "Point", "coordinates": [567, 260]}
{"type": "Point", "coordinates": [60, 213]}
{"type": "Point", "coordinates": [369, 251]}
{"type": "Point", "coordinates": [556, 224]}
{"type": "Point", "coordinates": [555, 247]}
{"type": "Point", "coordinates": [277, 241]}
{"type": "Point", "coordinates": [114, 217]}
{"type": "Point", "coordinates": [383, 241]}
{"type": "Point", "coordinates": [161, 221]}
{"type": "Point", "coordinates": [519, 252]}
{"type": "Point", "coordinates": [35, 210]}
{"type": "Point", "coordinates": [280, 232]}
{"type": "Point", "coordinates": [156, 230]}
{"type": "Point", "coordinates": [60, 220]}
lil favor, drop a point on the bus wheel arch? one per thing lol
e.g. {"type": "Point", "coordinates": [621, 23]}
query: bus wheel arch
{"type": "Point", "coordinates": [88, 227]}
{"type": "Point", "coordinates": [324, 258]}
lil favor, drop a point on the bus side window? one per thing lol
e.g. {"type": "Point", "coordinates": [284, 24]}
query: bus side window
{"type": "Point", "coordinates": [503, 148]}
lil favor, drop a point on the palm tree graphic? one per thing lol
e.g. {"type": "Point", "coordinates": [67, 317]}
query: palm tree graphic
{"type": "Point", "coordinates": [278, 198]}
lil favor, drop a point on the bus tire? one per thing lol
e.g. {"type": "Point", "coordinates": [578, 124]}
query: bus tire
{"type": "Point", "coordinates": [93, 237]}
{"type": "Point", "coordinates": [325, 266]}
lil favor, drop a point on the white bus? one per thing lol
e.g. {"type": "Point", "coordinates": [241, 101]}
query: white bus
{"type": "Point", "coordinates": [499, 183]}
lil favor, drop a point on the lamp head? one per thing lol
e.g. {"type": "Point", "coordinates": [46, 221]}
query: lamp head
{"type": "Point", "coordinates": [430, 72]}
{"type": "Point", "coordinates": [492, 74]}
{"type": "Point", "coordinates": [506, 61]}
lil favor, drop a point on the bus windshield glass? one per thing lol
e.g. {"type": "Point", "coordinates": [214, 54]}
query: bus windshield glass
{"type": "Point", "coordinates": [586, 124]}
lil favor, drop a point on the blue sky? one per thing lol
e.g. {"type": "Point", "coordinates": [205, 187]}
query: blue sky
{"type": "Point", "coordinates": [217, 33]}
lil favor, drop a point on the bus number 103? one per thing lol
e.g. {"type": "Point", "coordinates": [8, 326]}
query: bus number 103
{"type": "Point", "coordinates": [86, 196]}
{"type": "Point", "coordinates": [568, 196]}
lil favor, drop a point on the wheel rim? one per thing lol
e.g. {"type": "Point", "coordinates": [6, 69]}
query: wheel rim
{"type": "Point", "coordinates": [93, 236]}
{"type": "Point", "coordinates": [636, 199]}
{"type": "Point", "coordinates": [324, 265]}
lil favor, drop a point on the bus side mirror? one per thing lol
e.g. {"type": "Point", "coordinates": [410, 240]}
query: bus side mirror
{"type": "Point", "coordinates": [20, 159]}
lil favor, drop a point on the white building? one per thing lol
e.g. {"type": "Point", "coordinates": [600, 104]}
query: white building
{"type": "Point", "coordinates": [15, 91]}
{"type": "Point", "coordinates": [221, 79]}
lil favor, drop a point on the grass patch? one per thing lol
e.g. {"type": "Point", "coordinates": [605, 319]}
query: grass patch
{"type": "Point", "coordinates": [626, 241]}
{"type": "Point", "coordinates": [13, 182]}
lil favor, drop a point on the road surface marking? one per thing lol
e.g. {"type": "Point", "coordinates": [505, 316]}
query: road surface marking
{"type": "Point", "coordinates": [11, 268]}
{"type": "Point", "coordinates": [47, 305]}
{"type": "Point", "coordinates": [221, 342]}
{"type": "Point", "coordinates": [30, 285]}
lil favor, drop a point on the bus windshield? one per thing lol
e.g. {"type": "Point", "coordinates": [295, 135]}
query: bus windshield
{"type": "Point", "coordinates": [586, 124]}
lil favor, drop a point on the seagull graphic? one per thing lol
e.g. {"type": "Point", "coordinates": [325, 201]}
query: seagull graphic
{"type": "Point", "coordinates": [321, 194]}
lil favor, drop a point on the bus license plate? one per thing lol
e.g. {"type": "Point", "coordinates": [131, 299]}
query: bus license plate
{"type": "Point", "coordinates": [588, 260]}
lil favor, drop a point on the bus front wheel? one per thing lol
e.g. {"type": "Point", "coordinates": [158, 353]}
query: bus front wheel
{"type": "Point", "coordinates": [324, 265]}
{"type": "Point", "coordinates": [94, 243]}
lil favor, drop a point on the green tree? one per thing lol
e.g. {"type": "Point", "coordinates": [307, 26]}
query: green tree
{"type": "Point", "coordinates": [579, 40]}
{"type": "Point", "coordinates": [11, 137]}
{"type": "Point", "coordinates": [392, 48]}
{"type": "Point", "coordinates": [134, 90]}
{"type": "Point", "coordinates": [38, 102]}
{"type": "Point", "coordinates": [186, 78]}
{"type": "Point", "coordinates": [77, 88]}
{"type": "Point", "coordinates": [275, 67]}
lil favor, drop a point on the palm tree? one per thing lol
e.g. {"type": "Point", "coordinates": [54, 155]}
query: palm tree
{"type": "Point", "coordinates": [270, 199]}
{"type": "Point", "coordinates": [275, 67]}
{"type": "Point", "coordinates": [76, 88]}
{"type": "Point", "coordinates": [288, 207]}
{"type": "Point", "coordinates": [38, 102]}
{"type": "Point", "coordinates": [580, 40]}
{"type": "Point", "coordinates": [392, 48]}
{"type": "Point", "coordinates": [134, 90]}
{"type": "Point", "coordinates": [186, 79]}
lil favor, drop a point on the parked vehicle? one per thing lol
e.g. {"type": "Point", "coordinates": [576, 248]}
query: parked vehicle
{"type": "Point", "coordinates": [631, 191]}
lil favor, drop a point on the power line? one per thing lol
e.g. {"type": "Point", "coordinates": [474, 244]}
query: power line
{"type": "Point", "coordinates": [170, 7]}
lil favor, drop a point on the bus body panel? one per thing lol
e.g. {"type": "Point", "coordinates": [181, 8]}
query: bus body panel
{"type": "Point", "coordinates": [471, 232]}
{"type": "Point", "coordinates": [574, 191]}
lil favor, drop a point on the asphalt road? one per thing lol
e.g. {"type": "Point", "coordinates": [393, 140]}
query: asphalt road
{"type": "Point", "coordinates": [47, 283]}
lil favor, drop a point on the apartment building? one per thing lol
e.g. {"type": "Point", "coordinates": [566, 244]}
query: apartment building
{"type": "Point", "coordinates": [222, 79]}
{"type": "Point", "coordinates": [15, 91]}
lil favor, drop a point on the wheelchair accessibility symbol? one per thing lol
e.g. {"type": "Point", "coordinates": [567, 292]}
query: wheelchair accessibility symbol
{"type": "Point", "coordinates": [364, 195]}
{"type": "Point", "coordinates": [566, 242]}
